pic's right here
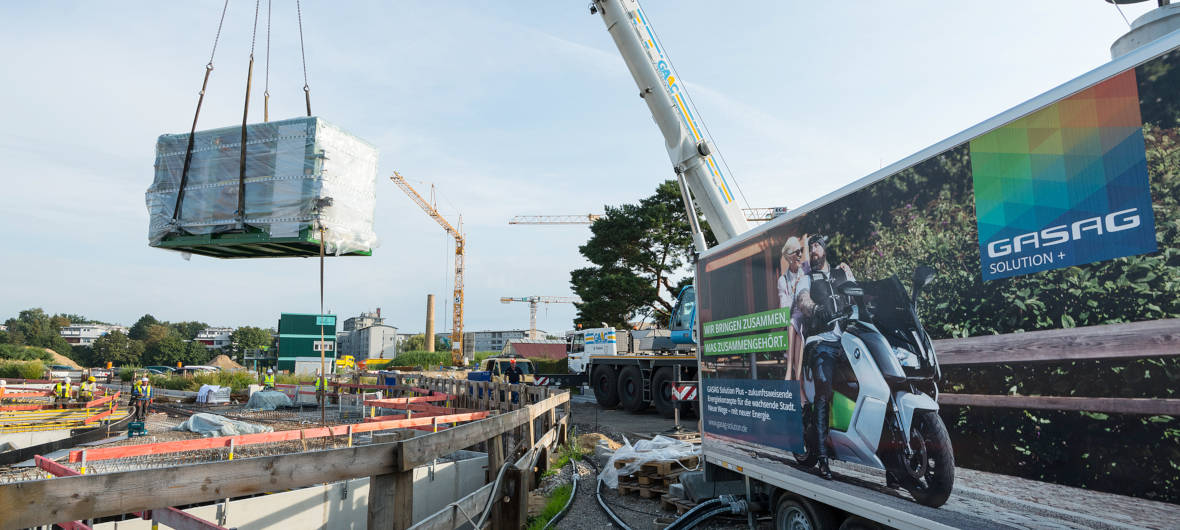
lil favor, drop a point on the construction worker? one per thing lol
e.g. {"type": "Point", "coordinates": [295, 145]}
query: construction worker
{"type": "Point", "coordinates": [321, 387]}
{"type": "Point", "coordinates": [268, 382]}
{"type": "Point", "coordinates": [86, 389]}
{"type": "Point", "coordinates": [3, 388]}
{"type": "Point", "coordinates": [61, 391]}
{"type": "Point", "coordinates": [141, 397]}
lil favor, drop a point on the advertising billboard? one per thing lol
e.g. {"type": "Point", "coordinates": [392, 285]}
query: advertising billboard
{"type": "Point", "coordinates": [820, 331]}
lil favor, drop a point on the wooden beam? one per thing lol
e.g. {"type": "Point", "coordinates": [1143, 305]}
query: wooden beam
{"type": "Point", "coordinates": [1153, 338]}
{"type": "Point", "coordinates": [449, 418]}
{"type": "Point", "coordinates": [1145, 406]}
{"type": "Point", "coordinates": [40, 502]}
{"type": "Point", "coordinates": [181, 520]}
{"type": "Point", "coordinates": [424, 449]}
{"type": "Point", "coordinates": [393, 402]}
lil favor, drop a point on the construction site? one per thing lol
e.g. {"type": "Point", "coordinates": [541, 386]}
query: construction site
{"type": "Point", "coordinates": [984, 333]}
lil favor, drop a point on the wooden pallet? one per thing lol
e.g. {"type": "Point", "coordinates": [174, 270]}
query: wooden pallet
{"type": "Point", "coordinates": [646, 492]}
{"type": "Point", "coordinates": [665, 467]}
{"type": "Point", "coordinates": [680, 505]}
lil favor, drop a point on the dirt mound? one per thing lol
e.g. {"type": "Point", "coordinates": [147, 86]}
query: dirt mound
{"type": "Point", "coordinates": [62, 359]}
{"type": "Point", "coordinates": [225, 363]}
{"type": "Point", "coordinates": [587, 442]}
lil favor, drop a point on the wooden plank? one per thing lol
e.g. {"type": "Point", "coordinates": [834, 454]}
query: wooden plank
{"type": "Point", "coordinates": [382, 490]}
{"type": "Point", "coordinates": [425, 448]}
{"type": "Point", "coordinates": [180, 520]}
{"type": "Point", "coordinates": [99, 416]}
{"type": "Point", "coordinates": [403, 504]}
{"type": "Point", "coordinates": [107, 453]}
{"type": "Point", "coordinates": [1144, 406]}
{"type": "Point", "coordinates": [393, 402]}
{"type": "Point", "coordinates": [102, 400]}
{"type": "Point", "coordinates": [467, 416]}
{"type": "Point", "coordinates": [40, 502]}
{"type": "Point", "coordinates": [1153, 338]}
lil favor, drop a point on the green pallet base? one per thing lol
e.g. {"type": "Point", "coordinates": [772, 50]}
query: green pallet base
{"type": "Point", "coordinates": [251, 244]}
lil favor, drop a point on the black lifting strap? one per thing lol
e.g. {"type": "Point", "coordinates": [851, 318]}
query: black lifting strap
{"type": "Point", "coordinates": [241, 213]}
{"type": "Point", "coordinates": [188, 152]}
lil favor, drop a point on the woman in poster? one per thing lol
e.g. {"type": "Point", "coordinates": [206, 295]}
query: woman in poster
{"type": "Point", "coordinates": [794, 280]}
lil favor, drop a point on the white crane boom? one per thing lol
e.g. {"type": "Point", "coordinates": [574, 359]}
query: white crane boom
{"type": "Point", "coordinates": [533, 301]}
{"type": "Point", "coordinates": [690, 153]}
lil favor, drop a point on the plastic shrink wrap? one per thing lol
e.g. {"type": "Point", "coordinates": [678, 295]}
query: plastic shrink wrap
{"type": "Point", "coordinates": [290, 166]}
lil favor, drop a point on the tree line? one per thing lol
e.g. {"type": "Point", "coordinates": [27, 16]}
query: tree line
{"type": "Point", "coordinates": [148, 342]}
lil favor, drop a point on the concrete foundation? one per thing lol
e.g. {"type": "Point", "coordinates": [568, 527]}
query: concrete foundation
{"type": "Point", "coordinates": [20, 440]}
{"type": "Point", "coordinates": [340, 504]}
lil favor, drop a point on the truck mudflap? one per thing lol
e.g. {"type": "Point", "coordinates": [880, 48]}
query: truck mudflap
{"type": "Point", "coordinates": [560, 380]}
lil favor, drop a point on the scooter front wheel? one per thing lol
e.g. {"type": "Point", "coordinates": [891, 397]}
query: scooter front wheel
{"type": "Point", "coordinates": [930, 479]}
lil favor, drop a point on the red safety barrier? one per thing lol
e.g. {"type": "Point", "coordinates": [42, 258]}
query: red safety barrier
{"type": "Point", "coordinates": [102, 400]}
{"type": "Point", "coordinates": [99, 416]}
{"type": "Point", "coordinates": [107, 453]}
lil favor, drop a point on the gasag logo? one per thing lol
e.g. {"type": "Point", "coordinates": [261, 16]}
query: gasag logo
{"type": "Point", "coordinates": [1065, 185]}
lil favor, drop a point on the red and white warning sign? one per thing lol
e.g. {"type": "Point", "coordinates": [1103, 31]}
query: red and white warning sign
{"type": "Point", "coordinates": [684, 392]}
{"type": "Point", "coordinates": [541, 381]}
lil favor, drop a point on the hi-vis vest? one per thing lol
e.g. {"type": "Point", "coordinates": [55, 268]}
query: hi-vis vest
{"type": "Point", "coordinates": [141, 392]}
{"type": "Point", "coordinates": [61, 390]}
{"type": "Point", "coordinates": [88, 387]}
{"type": "Point", "coordinates": [269, 380]}
{"type": "Point", "coordinates": [319, 383]}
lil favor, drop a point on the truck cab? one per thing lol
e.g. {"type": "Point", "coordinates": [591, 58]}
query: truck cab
{"type": "Point", "coordinates": [684, 317]}
{"type": "Point", "coordinates": [494, 369]}
{"type": "Point", "coordinates": [580, 344]}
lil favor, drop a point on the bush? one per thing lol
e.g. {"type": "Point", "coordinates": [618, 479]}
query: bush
{"type": "Point", "coordinates": [24, 353]}
{"type": "Point", "coordinates": [550, 366]}
{"type": "Point", "coordinates": [127, 373]}
{"type": "Point", "coordinates": [236, 380]}
{"type": "Point", "coordinates": [425, 359]}
{"type": "Point", "coordinates": [22, 369]}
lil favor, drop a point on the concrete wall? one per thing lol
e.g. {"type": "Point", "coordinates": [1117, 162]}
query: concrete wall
{"type": "Point", "coordinates": [20, 440]}
{"type": "Point", "coordinates": [340, 504]}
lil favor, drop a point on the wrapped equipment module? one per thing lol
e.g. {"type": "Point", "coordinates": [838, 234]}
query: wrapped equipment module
{"type": "Point", "coordinates": [291, 165]}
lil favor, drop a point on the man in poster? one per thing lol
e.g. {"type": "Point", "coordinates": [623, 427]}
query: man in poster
{"type": "Point", "coordinates": [821, 305]}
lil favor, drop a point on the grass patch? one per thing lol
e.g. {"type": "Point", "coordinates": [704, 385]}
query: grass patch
{"type": "Point", "coordinates": [22, 369]}
{"type": "Point", "coordinates": [553, 506]}
{"type": "Point", "coordinates": [423, 359]}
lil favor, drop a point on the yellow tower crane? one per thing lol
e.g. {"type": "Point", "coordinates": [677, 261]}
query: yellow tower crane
{"type": "Point", "coordinates": [533, 301]}
{"type": "Point", "coordinates": [430, 209]}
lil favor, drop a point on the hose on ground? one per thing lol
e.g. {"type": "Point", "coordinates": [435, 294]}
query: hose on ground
{"type": "Point", "coordinates": [487, 509]}
{"type": "Point", "coordinates": [707, 510]}
{"type": "Point", "coordinates": [570, 502]}
{"type": "Point", "coordinates": [602, 502]}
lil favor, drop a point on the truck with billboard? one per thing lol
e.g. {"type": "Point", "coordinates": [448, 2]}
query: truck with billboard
{"type": "Point", "coordinates": [982, 335]}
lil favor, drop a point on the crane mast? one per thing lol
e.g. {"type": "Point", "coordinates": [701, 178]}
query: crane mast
{"type": "Point", "coordinates": [690, 153]}
{"type": "Point", "coordinates": [457, 308]}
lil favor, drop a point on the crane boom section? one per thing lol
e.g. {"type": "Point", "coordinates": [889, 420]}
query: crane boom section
{"type": "Point", "coordinates": [457, 356]}
{"type": "Point", "coordinates": [690, 154]}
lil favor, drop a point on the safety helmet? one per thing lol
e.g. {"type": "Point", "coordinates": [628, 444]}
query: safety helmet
{"type": "Point", "coordinates": [269, 371]}
{"type": "Point", "coordinates": [513, 361]}
{"type": "Point", "coordinates": [145, 379]}
{"type": "Point", "coordinates": [67, 379]}
{"type": "Point", "coordinates": [91, 379]}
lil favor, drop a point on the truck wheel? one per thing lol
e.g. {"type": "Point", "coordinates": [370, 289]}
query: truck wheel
{"type": "Point", "coordinates": [606, 387]}
{"type": "Point", "coordinates": [631, 389]}
{"type": "Point", "coordinates": [661, 393]}
{"type": "Point", "coordinates": [792, 513]}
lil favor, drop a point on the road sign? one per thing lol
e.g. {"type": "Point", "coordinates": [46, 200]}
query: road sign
{"type": "Point", "coordinates": [684, 392]}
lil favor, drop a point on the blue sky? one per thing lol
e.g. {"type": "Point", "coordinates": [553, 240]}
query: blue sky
{"type": "Point", "coordinates": [508, 108]}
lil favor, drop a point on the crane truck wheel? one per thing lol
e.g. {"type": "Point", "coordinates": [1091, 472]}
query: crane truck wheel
{"type": "Point", "coordinates": [661, 392]}
{"type": "Point", "coordinates": [792, 513]}
{"type": "Point", "coordinates": [631, 389]}
{"type": "Point", "coordinates": [606, 387]}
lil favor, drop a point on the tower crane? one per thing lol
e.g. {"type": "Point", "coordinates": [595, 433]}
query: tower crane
{"type": "Point", "coordinates": [752, 214]}
{"type": "Point", "coordinates": [457, 309]}
{"type": "Point", "coordinates": [533, 301]}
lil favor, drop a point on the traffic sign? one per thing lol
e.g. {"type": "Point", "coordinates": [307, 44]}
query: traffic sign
{"type": "Point", "coordinates": [684, 392]}
{"type": "Point", "coordinates": [541, 381]}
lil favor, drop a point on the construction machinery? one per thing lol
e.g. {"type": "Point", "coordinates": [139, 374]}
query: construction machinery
{"type": "Point", "coordinates": [533, 301]}
{"type": "Point", "coordinates": [457, 357]}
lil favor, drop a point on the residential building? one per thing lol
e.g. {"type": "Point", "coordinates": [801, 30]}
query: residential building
{"type": "Point", "coordinates": [215, 338]}
{"type": "Point", "coordinates": [85, 334]}
{"type": "Point", "coordinates": [300, 344]}
{"type": "Point", "coordinates": [536, 348]}
{"type": "Point", "coordinates": [492, 340]}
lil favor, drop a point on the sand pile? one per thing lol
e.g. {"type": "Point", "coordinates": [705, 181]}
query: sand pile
{"type": "Point", "coordinates": [587, 442]}
{"type": "Point", "coordinates": [62, 359]}
{"type": "Point", "coordinates": [225, 363]}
